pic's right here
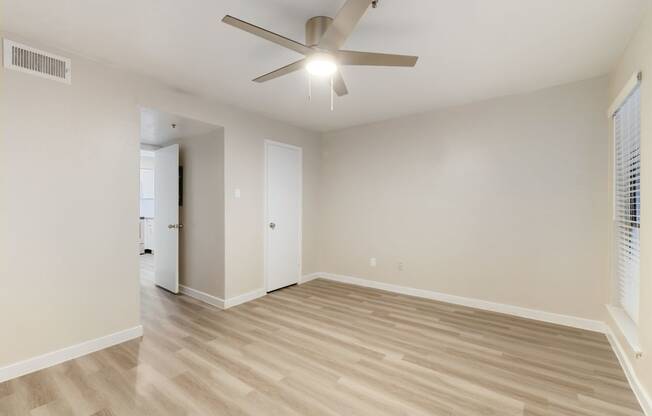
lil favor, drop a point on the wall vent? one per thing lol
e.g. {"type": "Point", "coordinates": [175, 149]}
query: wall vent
{"type": "Point", "coordinates": [33, 61]}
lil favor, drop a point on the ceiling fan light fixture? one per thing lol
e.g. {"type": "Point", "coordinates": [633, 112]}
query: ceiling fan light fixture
{"type": "Point", "coordinates": [322, 51]}
{"type": "Point", "coordinates": [321, 65]}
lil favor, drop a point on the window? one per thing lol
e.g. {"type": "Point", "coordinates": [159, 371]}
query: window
{"type": "Point", "coordinates": [627, 200]}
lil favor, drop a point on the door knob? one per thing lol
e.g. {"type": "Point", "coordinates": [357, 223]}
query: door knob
{"type": "Point", "coordinates": [272, 225]}
{"type": "Point", "coordinates": [172, 226]}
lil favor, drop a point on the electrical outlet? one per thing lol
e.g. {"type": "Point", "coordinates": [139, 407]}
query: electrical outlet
{"type": "Point", "coordinates": [372, 262]}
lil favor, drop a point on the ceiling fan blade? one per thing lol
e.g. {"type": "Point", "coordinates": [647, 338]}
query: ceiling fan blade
{"type": "Point", "coordinates": [294, 66]}
{"type": "Point", "coordinates": [266, 34]}
{"type": "Point", "coordinates": [339, 86]}
{"type": "Point", "coordinates": [375, 59]}
{"type": "Point", "coordinates": [343, 24]}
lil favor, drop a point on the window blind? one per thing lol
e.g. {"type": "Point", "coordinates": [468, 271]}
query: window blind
{"type": "Point", "coordinates": [627, 201]}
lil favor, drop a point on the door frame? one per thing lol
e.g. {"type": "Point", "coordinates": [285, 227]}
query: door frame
{"type": "Point", "coordinates": [266, 145]}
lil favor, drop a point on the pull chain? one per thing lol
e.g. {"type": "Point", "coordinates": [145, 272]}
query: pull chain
{"type": "Point", "coordinates": [309, 87]}
{"type": "Point", "coordinates": [331, 93]}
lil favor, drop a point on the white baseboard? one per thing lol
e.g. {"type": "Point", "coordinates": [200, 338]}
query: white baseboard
{"type": "Point", "coordinates": [202, 296]}
{"type": "Point", "coordinates": [57, 357]}
{"type": "Point", "coordinates": [538, 315]}
{"type": "Point", "coordinates": [222, 303]}
{"type": "Point", "coordinates": [246, 297]}
{"type": "Point", "coordinates": [308, 277]}
{"type": "Point", "coordinates": [625, 362]}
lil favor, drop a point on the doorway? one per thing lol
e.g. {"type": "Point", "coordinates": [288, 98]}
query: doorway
{"type": "Point", "coordinates": [181, 204]}
{"type": "Point", "coordinates": [283, 214]}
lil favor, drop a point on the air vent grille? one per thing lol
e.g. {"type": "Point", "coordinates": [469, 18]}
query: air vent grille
{"type": "Point", "coordinates": [26, 59]}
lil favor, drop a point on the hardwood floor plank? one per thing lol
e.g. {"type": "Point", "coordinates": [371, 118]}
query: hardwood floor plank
{"type": "Point", "coordinates": [327, 348]}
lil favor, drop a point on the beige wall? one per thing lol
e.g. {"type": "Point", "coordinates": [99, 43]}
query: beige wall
{"type": "Point", "coordinates": [69, 187]}
{"type": "Point", "coordinates": [70, 218]}
{"type": "Point", "coordinates": [504, 200]}
{"type": "Point", "coordinates": [638, 57]}
{"type": "Point", "coordinates": [201, 245]}
{"type": "Point", "coordinates": [244, 225]}
{"type": "Point", "coordinates": [244, 136]}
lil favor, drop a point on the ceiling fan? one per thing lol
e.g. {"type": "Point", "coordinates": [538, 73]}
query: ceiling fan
{"type": "Point", "coordinates": [324, 38]}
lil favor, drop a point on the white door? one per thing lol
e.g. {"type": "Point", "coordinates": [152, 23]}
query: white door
{"type": "Point", "coordinates": [166, 218]}
{"type": "Point", "coordinates": [283, 212]}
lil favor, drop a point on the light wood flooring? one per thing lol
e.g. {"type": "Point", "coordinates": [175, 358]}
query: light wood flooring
{"type": "Point", "coordinates": [147, 268]}
{"type": "Point", "coordinates": [326, 348]}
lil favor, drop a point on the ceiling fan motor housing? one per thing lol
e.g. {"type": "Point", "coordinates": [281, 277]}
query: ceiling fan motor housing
{"type": "Point", "coordinates": [315, 29]}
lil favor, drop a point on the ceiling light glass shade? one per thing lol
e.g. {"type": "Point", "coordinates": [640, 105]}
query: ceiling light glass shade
{"type": "Point", "coordinates": [321, 65]}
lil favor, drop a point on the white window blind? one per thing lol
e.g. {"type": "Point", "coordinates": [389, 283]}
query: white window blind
{"type": "Point", "coordinates": [627, 201]}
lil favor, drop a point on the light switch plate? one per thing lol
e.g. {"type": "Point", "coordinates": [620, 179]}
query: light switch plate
{"type": "Point", "coordinates": [237, 193]}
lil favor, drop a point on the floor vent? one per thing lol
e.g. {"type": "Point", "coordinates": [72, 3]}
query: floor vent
{"type": "Point", "coordinates": [30, 60]}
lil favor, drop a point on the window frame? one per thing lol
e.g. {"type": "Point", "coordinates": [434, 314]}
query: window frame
{"type": "Point", "coordinates": [622, 318]}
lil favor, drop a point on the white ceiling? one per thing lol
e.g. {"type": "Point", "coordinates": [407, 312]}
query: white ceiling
{"type": "Point", "coordinates": [469, 49]}
{"type": "Point", "coordinates": [156, 127]}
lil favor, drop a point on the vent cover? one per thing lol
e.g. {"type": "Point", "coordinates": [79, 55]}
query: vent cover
{"type": "Point", "coordinates": [30, 60]}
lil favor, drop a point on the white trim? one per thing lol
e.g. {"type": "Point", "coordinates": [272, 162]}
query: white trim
{"type": "Point", "coordinates": [633, 81]}
{"type": "Point", "coordinates": [265, 208]}
{"type": "Point", "coordinates": [219, 302]}
{"type": "Point", "coordinates": [229, 204]}
{"type": "Point", "coordinates": [202, 296]}
{"type": "Point", "coordinates": [281, 144]}
{"type": "Point", "coordinates": [74, 351]}
{"type": "Point", "coordinates": [245, 297]}
{"type": "Point", "coordinates": [627, 327]}
{"type": "Point", "coordinates": [639, 391]}
{"type": "Point", "coordinates": [613, 185]}
{"type": "Point", "coordinates": [308, 277]}
{"type": "Point", "coordinates": [538, 315]}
